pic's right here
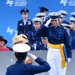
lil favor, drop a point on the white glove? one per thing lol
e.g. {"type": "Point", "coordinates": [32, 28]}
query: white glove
{"type": "Point", "coordinates": [48, 22]}
{"type": "Point", "coordinates": [32, 55]}
{"type": "Point", "coordinates": [69, 59]}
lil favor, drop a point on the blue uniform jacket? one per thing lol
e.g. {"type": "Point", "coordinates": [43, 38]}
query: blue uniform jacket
{"type": "Point", "coordinates": [20, 68]}
{"type": "Point", "coordinates": [41, 47]}
{"type": "Point", "coordinates": [66, 22]}
{"type": "Point", "coordinates": [56, 35]}
{"type": "Point", "coordinates": [33, 39]}
{"type": "Point", "coordinates": [72, 34]}
{"type": "Point", "coordinates": [24, 29]}
{"type": "Point", "coordinates": [73, 43]}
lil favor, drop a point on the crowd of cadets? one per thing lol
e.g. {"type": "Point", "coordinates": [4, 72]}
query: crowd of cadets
{"type": "Point", "coordinates": [30, 27]}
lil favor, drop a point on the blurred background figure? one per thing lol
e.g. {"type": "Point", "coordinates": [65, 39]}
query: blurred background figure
{"type": "Point", "coordinates": [31, 35]}
{"type": "Point", "coordinates": [43, 44]}
{"type": "Point", "coordinates": [72, 31]}
{"type": "Point", "coordinates": [63, 16]}
{"type": "Point", "coordinates": [24, 25]}
{"type": "Point", "coordinates": [65, 24]}
{"type": "Point", "coordinates": [3, 42]}
{"type": "Point", "coordinates": [42, 16]}
{"type": "Point", "coordinates": [72, 14]}
{"type": "Point", "coordinates": [44, 10]}
{"type": "Point", "coordinates": [21, 39]}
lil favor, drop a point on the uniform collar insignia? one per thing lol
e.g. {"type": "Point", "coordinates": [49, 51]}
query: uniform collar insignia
{"type": "Point", "coordinates": [29, 22]}
{"type": "Point", "coordinates": [20, 24]}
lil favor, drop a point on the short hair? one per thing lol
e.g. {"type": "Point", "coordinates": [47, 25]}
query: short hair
{"type": "Point", "coordinates": [20, 56]}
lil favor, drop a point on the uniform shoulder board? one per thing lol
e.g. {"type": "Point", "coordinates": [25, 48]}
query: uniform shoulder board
{"type": "Point", "coordinates": [20, 20]}
{"type": "Point", "coordinates": [29, 20]}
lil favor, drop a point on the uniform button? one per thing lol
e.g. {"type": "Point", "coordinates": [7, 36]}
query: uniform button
{"type": "Point", "coordinates": [59, 32]}
{"type": "Point", "coordinates": [50, 34]}
{"type": "Point", "coordinates": [60, 29]}
{"type": "Point", "coordinates": [59, 35]}
{"type": "Point", "coordinates": [50, 29]}
{"type": "Point", "coordinates": [58, 38]}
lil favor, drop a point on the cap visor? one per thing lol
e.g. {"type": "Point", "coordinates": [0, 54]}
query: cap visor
{"type": "Point", "coordinates": [55, 19]}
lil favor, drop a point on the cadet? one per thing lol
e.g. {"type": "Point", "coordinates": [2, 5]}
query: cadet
{"type": "Point", "coordinates": [42, 16]}
{"type": "Point", "coordinates": [20, 68]}
{"type": "Point", "coordinates": [58, 38]}
{"type": "Point", "coordinates": [24, 25]}
{"type": "Point", "coordinates": [43, 44]}
{"type": "Point", "coordinates": [63, 16]}
{"type": "Point", "coordinates": [35, 40]}
{"type": "Point", "coordinates": [72, 31]}
{"type": "Point", "coordinates": [43, 10]}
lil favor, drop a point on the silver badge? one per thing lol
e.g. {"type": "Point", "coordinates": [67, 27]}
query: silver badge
{"type": "Point", "coordinates": [29, 22]}
{"type": "Point", "coordinates": [20, 24]}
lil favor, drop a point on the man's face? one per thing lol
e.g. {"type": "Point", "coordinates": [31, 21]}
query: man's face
{"type": "Point", "coordinates": [72, 25]}
{"type": "Point", "coordinates": [37, 25]}
{"type": "Point", "coordinates": [62, 19]}
{"type": "Point", "coordinates": [45, 12]}
{"type": "Point", "coordinates": [45, 40]}
{"type": "Point", "coordinates": [55, 22]}
{"type": "Point", "coordinates": [2, 43]}
{"type": "Point", "coordinates": [43, 19]}
{"type": "Point", "coordinates": [24, 15]}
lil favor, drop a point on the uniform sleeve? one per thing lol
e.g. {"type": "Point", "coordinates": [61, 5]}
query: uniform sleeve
{"type": "Point", "coordinates": [7, 72]}
{"type": "Point", "coordinates": [67, 40]}
{"type": "Point", "coordinates": [30, 38]}
{"type": "Point", "coordinates": [42, 31]}
{"type": "Point", "coordinates": [73, 43]}
{"type": "Point", "coordinates": [31, 26]}
{"type": "Point", "coordinates": [19, 29]}
{"type": "Point", "coordinates": [42, 67]}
